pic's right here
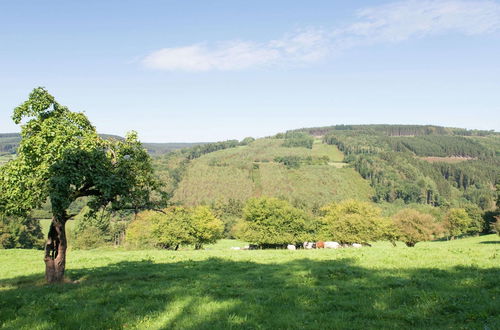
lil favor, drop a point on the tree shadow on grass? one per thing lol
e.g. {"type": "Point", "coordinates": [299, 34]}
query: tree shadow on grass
{"type": "Point", "coordinates": [219, 293]}
{"type": "Point", "coordinates": [490, 242]}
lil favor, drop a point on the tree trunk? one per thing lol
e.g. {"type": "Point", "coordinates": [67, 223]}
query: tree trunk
{"type": "Point", "coordinates": [55, 251]}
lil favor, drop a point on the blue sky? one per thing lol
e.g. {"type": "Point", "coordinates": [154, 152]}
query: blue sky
{"type": "Point", "coordinates": [216, 70]}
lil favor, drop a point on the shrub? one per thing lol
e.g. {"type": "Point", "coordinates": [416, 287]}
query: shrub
{"type": "Point", "coordinates": [272, 222]}
{"type": "Point", "coordinates": [495, 226]}
{"type": "Point", "coordinates": [173, 227]}
{"type": "Point", "coordinates": [229, 212]}
{"type": "Point", "coordinates": [289, 161]}
{"type": "Point", "coordinates": [89, 238]}
{"type": "Point", "coordinates": [139, 231]}
{"type": "Point", "coordinates": [477, 223]}
{"type": "Point", "coordinates": [353, 221]}
{"type": "Point", "coordinates": [247, 141]}
{"type": "Point", "coordinates": [457, 222]}
{"type": "Point", "coordinates": [20, 233]}
{"type": "Point", "coordinates": [413, 226]}
{"type": "Point", "coordinates": [298, 139]}
{"type": "Point", "coordinates": [205, 227]}
{"type": "Point", "coordinates": [108, 227]}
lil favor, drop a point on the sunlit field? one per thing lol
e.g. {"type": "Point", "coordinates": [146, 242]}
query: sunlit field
{"type": "Point", "coordinates": [447, 284]}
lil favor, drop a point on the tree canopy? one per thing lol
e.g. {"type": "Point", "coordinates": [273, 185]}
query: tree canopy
{"type": "Point", "coordinates": [175, 226]}
{"type": "Point", "coordinates": [352, 221]}
{"type": "Point", "coordinates": [414, 226]}
{"type": "Point", "coordinates": [270, 221]}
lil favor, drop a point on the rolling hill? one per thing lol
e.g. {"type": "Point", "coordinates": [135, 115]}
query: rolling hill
{"type": "Point", "coordinates": [405, 164]}
{"type": "Point", "coordinates": [254, 170]}
{"type": "Point", "coordinates": [427, 165]}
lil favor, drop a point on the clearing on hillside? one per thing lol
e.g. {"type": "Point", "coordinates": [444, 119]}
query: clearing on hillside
{"type": "Point", "coordinates": [255, 170]}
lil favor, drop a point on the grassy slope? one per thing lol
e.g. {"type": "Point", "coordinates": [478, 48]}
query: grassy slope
{"type": "Point", "coordinates": [4, 158]}
{"type": "Point", "coordinates": [248, 171]}
{"type": "Point", "coordinates": [434, 285]}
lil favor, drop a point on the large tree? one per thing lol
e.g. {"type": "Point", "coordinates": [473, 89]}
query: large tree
{"type": "Point", "coordinates": [353, 221]}
{"type": "Point", "coordinates": [271, 222]}
{"type": "Point", "coordinates": [414, 226]}
{"type": "Point", "coordinates": [61, 158]}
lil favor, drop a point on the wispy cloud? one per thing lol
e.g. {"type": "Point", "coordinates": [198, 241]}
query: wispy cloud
{"type": "Point", "coordinates": [300, 47]}
{"type": "Point", "coordinates": [393, 22]}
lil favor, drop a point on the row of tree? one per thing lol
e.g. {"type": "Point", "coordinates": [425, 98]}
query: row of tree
{"type": "Point", "coordinates": [267, 222]}
{"type": "Point", "coordinates": [270, 222]}
{"type": "Point", "coordinates": [397, 130]}
{"type": "Point", "coordinates": [297, 161]}
{"type": "Point", "coordinates": [200, 150]}
{"type": "Point", "coordinates": [175, 226]}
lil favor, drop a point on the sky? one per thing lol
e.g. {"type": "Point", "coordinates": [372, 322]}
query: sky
{"type": "Point", "coordinates": [191, 71]}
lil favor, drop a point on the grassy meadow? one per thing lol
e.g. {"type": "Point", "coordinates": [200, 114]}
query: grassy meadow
{"type": "Point", "coordinates": [248, 171]}
{"type": "Point", "coordinates": [436, 285]}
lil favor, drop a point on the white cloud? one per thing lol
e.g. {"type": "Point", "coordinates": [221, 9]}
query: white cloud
{"type": "Point", "coordinates": [393, 22]}
{"type": "Point", "coordinates": [304, 46]}
{"type": "Point", "coordinates": [226, 56]}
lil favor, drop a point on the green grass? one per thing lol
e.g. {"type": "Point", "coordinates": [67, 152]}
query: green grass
{"type": "Point", "coordinates": [4, 158]}
{"type": "Point", "coordinates": [435, 285]}
{"type": "Point", "coordinates": [320, 149]}
{"type": "Point", "coordinates": [249, 171]}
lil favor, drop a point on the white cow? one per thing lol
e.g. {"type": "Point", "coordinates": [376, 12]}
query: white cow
{"type": "Point", "coordinates": [291, 247]}
{"type": "Point", "coordinates": [309, 245]}
{"type": "Point", "coordinates": [332, 245]}
{"type": "Point", "coordinates": [356, 245]}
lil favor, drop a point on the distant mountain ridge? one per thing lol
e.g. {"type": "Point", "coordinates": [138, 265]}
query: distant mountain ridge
{"type": "Point", "coordinates": [398, 130]}
{"type": "Point", "coordinates": [10, 141]}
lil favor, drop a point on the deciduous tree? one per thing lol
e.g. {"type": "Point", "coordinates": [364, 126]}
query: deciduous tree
{"type": "Point", "coordinates": [352, 221]}
{"type": "Point", "coordinates": [457, 221]}
{"type": "Point", "coordinates": [62, 158]}
{"type": "Point", "coordinates": [414, 226]}
{"type": "Point", "coordinates": [270, 221]}
{"type": "Point", "coordinates": [205, 227]}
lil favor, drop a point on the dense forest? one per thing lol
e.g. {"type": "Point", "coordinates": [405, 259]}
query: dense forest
{"type": "Point", "coordinates": [422, 164]}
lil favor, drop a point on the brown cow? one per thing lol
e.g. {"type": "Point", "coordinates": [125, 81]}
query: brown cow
{"type": "Point", "coordinates": [320, 245]}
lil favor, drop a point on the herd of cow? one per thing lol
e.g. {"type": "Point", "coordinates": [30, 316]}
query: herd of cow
{"type": "Point", "coordinates": [305, 245]}
{"type": "Point", "coordinates": [323, 245]}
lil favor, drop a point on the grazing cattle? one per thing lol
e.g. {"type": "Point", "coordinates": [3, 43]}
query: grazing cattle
{"type": "Point", "coordinates": [331, 245]}
{"type": "Point", "coordinates": [309, 245]}
{"type": "Point", "coordinates": [356, 245]}
{"type": "Point", "coordinates": [291, 247]}
{"type": "Point", "coordinates": [235, 248]}
{"type": "Point", "coordinates": [320, 245]}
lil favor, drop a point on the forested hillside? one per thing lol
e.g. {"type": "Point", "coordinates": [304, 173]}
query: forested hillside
{"type": "Point", "coordinates": [421, 164]}
{"type": "Point", "coordinates": [272, 166]}
{"type": "Point", "coordinates": [431, 165]}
